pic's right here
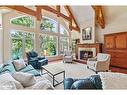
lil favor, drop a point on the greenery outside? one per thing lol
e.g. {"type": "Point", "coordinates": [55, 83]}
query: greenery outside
{"type": "Point", "coordinates": [24, 21]}
{"type": "Point", "coordinates": [48, 44]}
{"type": "Point", "coordinates": [21, 41]}
{"type": "Point", "coordinates": [48, 25]}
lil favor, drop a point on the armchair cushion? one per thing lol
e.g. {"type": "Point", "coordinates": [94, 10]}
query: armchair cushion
{"type": "Point", "coordinates": [101, 57]}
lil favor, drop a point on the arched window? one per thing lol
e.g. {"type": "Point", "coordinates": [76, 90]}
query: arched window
{"type": "Point", "coordinates": [64, 39]}
{"type": "Point", "coordinates": [23, 21]}
{"type": "Point", "coordinates": [63, 31]}
{"type": "Point", "coordinates": [48, 25]}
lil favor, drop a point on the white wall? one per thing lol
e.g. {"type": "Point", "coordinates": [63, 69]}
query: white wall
{"type": "Point", "coordinates": [116, 21]}
{"type": "Point", "coordinates": [88, 23]}
{"type": "Point", "coordinates": [1, 41]}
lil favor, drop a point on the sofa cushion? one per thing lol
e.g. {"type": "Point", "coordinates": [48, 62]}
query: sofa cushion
{"type": "Point", "coordinates": [19, 64]}
{"type": "Point", "coordinates": [25, 79]}
{"type": "Point", "coordinates": [6, 78]}
{"type": "Point", "coordinates": [9, 67]}
{"type": "Point", "coordinates": [34, 72]}
{"type": "Point", "coordinates": [27, 68]}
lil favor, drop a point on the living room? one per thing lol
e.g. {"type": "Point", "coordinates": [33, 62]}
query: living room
{"type": "Point", "coordinates": [42, 36]}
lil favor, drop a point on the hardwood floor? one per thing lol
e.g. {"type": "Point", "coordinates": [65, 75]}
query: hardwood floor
{"type": "Point", "coordinates": [120, 70]}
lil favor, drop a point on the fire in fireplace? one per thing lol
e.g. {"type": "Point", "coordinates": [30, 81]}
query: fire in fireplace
{"type": "Point", "coordinates": [84, 55]}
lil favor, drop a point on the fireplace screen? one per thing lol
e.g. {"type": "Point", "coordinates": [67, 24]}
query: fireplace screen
{"type": "Point", "coordinates": [86, 54]}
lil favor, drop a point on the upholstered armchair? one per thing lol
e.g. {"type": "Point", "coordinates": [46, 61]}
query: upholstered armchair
{"type": "Point", "coordinates": [68, 57]}
{"type": "Point", "coordinates": [100, 63]}
{"type": "Point", "coordinates": [35, 60]}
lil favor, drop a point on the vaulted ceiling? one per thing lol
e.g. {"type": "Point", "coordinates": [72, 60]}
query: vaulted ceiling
{"type": "Point", "coordinates": [73, 14]}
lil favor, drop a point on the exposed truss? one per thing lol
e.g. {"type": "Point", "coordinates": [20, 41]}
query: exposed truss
{"type": "Point", "coordinates": [99, 16]}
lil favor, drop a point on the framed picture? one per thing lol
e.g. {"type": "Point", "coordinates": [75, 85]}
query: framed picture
{"type": "Point", "coordinates": [87, 33]}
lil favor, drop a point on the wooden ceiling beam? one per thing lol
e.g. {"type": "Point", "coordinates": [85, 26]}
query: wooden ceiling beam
{"type": "Point", "coordinates": [38, 13]}
{"type": "Point", "coordinates": [23, 9]}
{"type": "Point", "coordinates": [47, 8]}
{"type": "Point", "coordinates": [58, 9]}
{"type": "Point", "coordinates": [99, 16]}
{"type": "Point", "coordinates": [68, 10]}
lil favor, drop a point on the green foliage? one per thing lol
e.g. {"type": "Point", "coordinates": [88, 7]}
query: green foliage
{"type": "Point", "coordinates": [24, 21]}
{"type": "Point", "coordinates": [18, 39]}
{"type": "Point", "coordinates": [48, 25]}
{"type": "Point", "coordinates": [48, 43]}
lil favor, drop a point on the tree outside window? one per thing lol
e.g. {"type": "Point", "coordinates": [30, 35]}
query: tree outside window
{"type": "Point", "coordinates": [23, 21]}
{"type": "Point", "coordinates": [21, 42]}
{"type": "Point", "coordinates": [48, 45]}
{"type": "Point", "coordinates": [48, 24]}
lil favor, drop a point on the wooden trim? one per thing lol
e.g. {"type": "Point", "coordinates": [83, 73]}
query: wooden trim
{"type": "Point", "coordinates": [47, 8]}
{"type": "Point", "coordinates": [75, 28]}
{"type": "Point", "coordinates": [68, 10]}
{"type": "Point", "coordinates": [99, 16]}
{"type": "Point", "coordinates": [38, 13]}
{"type": "Point", "coordinates": [22, 9]}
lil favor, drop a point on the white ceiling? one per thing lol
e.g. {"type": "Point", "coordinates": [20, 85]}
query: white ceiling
{"type": "Point", "coordinates": [82, 13]}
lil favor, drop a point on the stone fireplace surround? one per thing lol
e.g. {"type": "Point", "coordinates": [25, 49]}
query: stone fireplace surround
{"type": "Point", "coordinates": [95, 48]}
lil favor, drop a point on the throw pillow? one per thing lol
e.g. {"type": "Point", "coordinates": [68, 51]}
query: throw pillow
{"type": "Point", "coordinates": [25, 79]}
{"type": "Point", "coordinates": [8, 82]}
{"type": "Point", "coordinates": [19, 64]}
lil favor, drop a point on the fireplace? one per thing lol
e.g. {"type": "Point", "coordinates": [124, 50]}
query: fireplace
{"type": "Point", "coordinates": [85, 51]}
{"type": "Point", "coordinates": [84, 55]}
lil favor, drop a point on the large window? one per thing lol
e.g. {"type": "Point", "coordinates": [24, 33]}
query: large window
{"type": "Point", "coordinates": [21, 42]}
{"type": "Point", "coordinates": [63, 44]}
{"type": "Point", "coordinates": [48, 24]}
{"type": "Point", "coordinates": [63, 31]}
{"type": "Point", "coordinates": [24, 21]}
{"type": "Point", "coordinates": [48, 45]}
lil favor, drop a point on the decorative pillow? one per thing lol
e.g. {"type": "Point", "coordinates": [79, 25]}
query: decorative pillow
{"type": "Point", "coordinates": [19, 64]}
{"type": "Point", "coordinates": [111, 80]}
{"type": "Point", "coordinates": [25, 79]}
{"type": "Point", "coordinates": [9, 82]}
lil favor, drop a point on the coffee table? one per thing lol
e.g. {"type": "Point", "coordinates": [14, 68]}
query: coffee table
{"type": "Point", "coordinates": [53, 71]}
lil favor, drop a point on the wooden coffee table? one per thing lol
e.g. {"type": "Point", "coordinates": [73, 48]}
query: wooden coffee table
{"type": "Point", "coordinates": [53, 71]}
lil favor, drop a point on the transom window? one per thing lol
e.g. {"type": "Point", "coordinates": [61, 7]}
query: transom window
{"type": "Point", "coordinates": [23, 21]}
{"type": "Point", "coordinates": [48, 25]}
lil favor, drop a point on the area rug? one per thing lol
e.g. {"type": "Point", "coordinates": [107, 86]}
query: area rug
{"type": "Point", "coordinates": [76, 70]}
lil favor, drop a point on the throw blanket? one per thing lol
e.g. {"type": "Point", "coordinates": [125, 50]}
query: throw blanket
{"type": "Point", "coordinates": [111, 80]}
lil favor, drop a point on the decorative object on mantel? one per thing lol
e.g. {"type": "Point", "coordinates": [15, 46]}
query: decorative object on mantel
{"type": "Point", "coordinates": [87, 35]}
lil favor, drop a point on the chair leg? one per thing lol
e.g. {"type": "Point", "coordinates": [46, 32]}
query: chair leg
{"type": "Point", "coordinates": [87, 67]}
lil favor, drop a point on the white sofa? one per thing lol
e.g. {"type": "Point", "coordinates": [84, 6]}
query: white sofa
{"type": "Point", "coordinates": [20, 80]}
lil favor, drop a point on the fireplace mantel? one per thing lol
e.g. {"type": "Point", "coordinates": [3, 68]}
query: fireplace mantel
{"type": "Point", "coordinates": [97, 46]}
